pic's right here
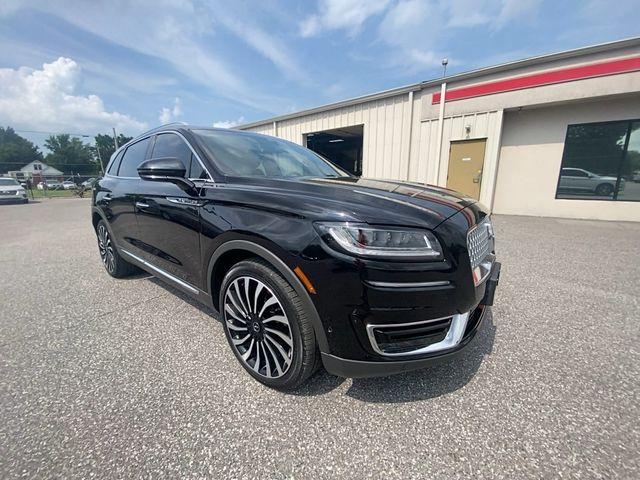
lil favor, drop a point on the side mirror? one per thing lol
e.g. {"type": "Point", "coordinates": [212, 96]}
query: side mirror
{"type": "Point", "coordinates": [167, 169]}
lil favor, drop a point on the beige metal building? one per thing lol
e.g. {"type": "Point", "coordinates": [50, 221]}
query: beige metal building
{"type": "Point", "coordinates": [555, 135]}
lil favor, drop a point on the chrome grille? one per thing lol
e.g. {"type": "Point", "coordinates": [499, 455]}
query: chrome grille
{"type": "Point", "coordinates": [478, 242]}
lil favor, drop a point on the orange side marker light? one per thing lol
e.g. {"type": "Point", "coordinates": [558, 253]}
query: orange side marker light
{"type": "Point", "coordinates": [305, 281]}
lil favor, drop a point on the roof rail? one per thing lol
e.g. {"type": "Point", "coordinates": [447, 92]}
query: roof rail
{"type": "Point", "coordinates": [151, 130]}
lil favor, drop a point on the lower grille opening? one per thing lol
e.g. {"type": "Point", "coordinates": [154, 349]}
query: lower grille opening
{"type": "Point", "coordinates": [408, 338]}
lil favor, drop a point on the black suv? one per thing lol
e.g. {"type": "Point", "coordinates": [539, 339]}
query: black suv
{"type": "Point", "coordinates": [305, 263]}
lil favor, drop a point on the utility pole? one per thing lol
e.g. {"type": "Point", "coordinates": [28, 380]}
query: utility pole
{"type": "Point", "coordinates": [115, 138]}
{"type": "Point", "coordinates": [100, 157]}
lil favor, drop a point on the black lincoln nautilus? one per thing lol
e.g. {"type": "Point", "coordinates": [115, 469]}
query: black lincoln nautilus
{"type": "Point", "coordinates": [306, 264]}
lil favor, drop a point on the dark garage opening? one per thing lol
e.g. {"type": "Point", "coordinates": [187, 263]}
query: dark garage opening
{"type": "Point", "coordinates": [343, 146]}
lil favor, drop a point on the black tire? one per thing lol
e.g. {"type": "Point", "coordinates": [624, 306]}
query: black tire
{"type": "Point", "coordinates": [113, 263]}
{"type": "Point", "coordinates": [282, 367]}
{"type": "Point", "coordinates": [25, 201]}
{"type": "Point", "coordinates": [604, 189]}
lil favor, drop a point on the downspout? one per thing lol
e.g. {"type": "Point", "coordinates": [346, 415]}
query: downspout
{"type": "Point", "coordinates": [409, 133]}
{"type": "Point", "coordinates": [443, 91]}
{"type": "Point", "coordinates": [275, 128]}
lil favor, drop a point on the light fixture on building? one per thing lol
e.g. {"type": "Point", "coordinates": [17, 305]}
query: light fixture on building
{"type": "Point", "coordinates": [336, 140]}
{"type": "Point", "coordinates": [467, 130]}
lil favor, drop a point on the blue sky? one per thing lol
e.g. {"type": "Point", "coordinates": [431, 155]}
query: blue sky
{"type": "Point", "coordinates": [84, 67]}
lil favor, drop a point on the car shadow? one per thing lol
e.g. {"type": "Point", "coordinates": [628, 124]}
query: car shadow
{"type": "Point", "coordinates": [183, 296]}
{"type": "Point", "coordinates": [424, 384]}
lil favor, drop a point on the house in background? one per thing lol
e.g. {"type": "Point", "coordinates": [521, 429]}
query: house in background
{"type": "Point", "coordinates": [36, 171]}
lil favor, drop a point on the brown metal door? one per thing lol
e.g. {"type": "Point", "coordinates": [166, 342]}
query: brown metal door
{"type": "Point", "coordinates": [466, 160]}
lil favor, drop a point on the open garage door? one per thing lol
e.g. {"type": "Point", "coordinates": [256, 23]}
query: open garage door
{"type": "Point", "coordinates": [343, 146]}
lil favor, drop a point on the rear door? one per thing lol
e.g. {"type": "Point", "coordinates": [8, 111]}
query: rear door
{"type": "Point", "coordinates": [169, 218]}
{"type": "Point", "coordinates": [117, 194]}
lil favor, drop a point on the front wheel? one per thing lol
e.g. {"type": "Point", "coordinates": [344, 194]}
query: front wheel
{"type": "Point", "coordinates": [267, 326]}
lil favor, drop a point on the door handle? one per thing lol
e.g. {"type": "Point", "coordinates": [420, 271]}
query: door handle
{"type": "Point", "coordinates": [142, 205]}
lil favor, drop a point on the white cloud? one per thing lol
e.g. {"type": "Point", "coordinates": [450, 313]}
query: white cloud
{"type": "Point", "coordinates": [341, 15]}
{"type": "Point", "coordinates": [416, 28]}
{"type": "Point", "coordinates": [495, 13]}
{"type": "Point", "coordinates": [228, 123]}
{"type": "Point", "coordinates": [171, 114]}
{"type": "Point", "coordinates": [413, 27]}
{"type": "Point", "coordinates": [267, 44]}
{"type": "Point", "coordinates": [514, 10]}
{"type": "Point", "coordinates": [179, 32]}
{"type": "Point", "coordinates": [46, 99]}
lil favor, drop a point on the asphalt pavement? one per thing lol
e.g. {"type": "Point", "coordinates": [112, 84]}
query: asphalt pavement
{"type": "Point", "coordinates": [105, 378]}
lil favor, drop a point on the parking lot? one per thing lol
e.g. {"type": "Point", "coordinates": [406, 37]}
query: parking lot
{"type": "Point", "coordinates": [110, 378]}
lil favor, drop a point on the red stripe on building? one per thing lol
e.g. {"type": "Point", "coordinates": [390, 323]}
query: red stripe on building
{"type": "Point", "coordinates": [539, 79]}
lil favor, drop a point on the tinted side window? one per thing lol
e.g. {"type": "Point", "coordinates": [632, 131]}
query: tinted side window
{"type": "Point", "coordinates": [113, 168]}
{"type": "Point", "coordinates": [133, 157]}
{"type": "Point", "coordinates": [170, 145]}
{"type": "Point", "coordinates": [196, 170]}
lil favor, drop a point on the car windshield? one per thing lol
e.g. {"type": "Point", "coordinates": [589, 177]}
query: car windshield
{"type": "Point", "coordinates": [250, 155]}
{"type": "Point", "coordinates": [8, 182]}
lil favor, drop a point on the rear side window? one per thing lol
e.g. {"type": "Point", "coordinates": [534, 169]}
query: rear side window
{"type": "Point", "coordinates": [113, 168]}
{"type": "Point", "coordinates": [132, 159]}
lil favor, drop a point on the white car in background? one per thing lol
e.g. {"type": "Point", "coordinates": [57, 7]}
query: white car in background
{"type": "Point", "coordinates": [88, 183]}
{"type": "Point", "coordinates": [578, 180]}
{"type": "Point", "coordinates": [12, 192]}
{"type": "Point", "coordinates": [68, 185]}
{"type": "Point", "coordinates": [51, 185]}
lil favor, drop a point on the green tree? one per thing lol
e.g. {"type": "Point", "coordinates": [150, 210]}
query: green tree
{"type": "Point", "coordinates": [16, 151]}
{"type": "Point", "coordinates": [104, 144]}
{"type": "Point", "coordinates": [70, 154]}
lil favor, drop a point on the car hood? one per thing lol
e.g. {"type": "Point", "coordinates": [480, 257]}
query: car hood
{"type": "Point", "coordinates": [356, 199]}
{"type": "Point", "coordinates": [11, 188]}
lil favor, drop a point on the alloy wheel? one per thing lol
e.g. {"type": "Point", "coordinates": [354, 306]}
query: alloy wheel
{"type": "Point", "coordinates": [106, 249]}
{"type": "Point", "coordinates": [258, 327]}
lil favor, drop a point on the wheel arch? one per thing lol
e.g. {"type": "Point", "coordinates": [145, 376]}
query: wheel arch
{"type": "Point", "coordinates": [229, 253]}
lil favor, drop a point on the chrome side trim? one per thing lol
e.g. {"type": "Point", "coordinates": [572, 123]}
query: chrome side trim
{"type": "Point", "coordinates": [442, 283]}
{"type": "Point", "coordinates": [166, 275]}
{"type": "Point", "coordinates": [185, 201]}
{"type": "Point", "coordinates": [453, 338]}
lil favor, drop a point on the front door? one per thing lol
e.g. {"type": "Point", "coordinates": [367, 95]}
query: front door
{"type": "Point", "coordinates": [169, 218]}
{"type": "Point", "coordinates": [466, 161]}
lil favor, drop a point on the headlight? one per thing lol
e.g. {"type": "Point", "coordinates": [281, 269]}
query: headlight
{"type": "Point", "coordinates": [382, 242]}
{"type": "Point", "coordinates": [19, 192]}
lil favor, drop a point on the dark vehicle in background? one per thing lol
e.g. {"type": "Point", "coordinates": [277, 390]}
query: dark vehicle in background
{"type": "Point", "coordinates": [11, 191]}
{"type": "Point", "coordinates": [306, 264]}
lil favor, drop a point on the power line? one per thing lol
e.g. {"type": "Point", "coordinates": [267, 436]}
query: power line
{"type": "Point", "coordinates": [54, 133]}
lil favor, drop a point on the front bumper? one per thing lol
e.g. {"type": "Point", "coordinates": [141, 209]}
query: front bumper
{"type": "Point", "coordinates": [13, 198]}
{"type": "Point", "coordinates": [345, 367]}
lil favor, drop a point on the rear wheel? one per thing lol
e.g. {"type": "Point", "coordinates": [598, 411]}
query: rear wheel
{"type": "Point", "coordinates": [111, 259]}
{"type": "Point", "coordinates": [267, 326]}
